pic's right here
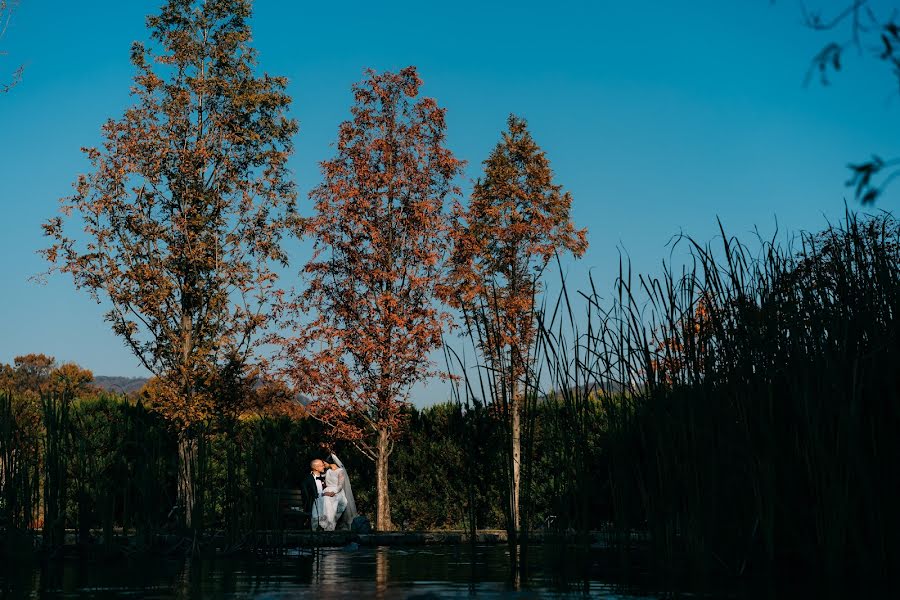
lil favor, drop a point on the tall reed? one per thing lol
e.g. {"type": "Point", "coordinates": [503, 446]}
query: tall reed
{"type": "Point", "coordinates": [742, 408]}
{"type": "Point", "coordinates": [757, 400]}
{"type": "Point", "coordinates": [500, 386]}
{"type": "Point", "coordinates": [20, 471]}
{"type": "Point", "coordinates": [57, 448]}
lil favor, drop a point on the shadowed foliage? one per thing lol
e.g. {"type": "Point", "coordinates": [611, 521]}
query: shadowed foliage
{"type": "Point", "coordinates": [858, 26]}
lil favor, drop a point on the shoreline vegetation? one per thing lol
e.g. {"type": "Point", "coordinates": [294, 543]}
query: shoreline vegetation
{"type": "Point", "coordinates": [216, 542]}
{"type": "Point", "coordinates": [740, 415]}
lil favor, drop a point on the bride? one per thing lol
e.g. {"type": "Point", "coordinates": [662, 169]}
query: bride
{"type": "Point", "coordinates": [338, 506]}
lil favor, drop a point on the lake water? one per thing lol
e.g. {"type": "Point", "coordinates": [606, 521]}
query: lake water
{"type": "Point", "coordinates": [424, 572]}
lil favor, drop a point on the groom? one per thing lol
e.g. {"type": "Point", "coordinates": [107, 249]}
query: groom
{"type": "Point", "coordinates": [311, 488]}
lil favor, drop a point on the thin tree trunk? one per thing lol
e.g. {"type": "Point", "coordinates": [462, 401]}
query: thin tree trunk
{"type": "Point", "coordinates": [383, 513]}
{"type": "Point", "coordinates": [515, 425]}
{"type": "Point", "coordinates": [516, 441]}
{"type": "Point", "coordinates": [187, 448]}
{"type": "Point", "coordinates": [187, 459]}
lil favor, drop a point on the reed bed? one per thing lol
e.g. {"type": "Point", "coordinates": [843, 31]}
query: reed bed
{"type": "Point", "coordinates": [749, 403]}
{"type": "Point", "coordinates": [101, 471]}
{"type": "Point", "coordinates": [20, 472]}
{"type": "Point", "coordinates": [738, 415]}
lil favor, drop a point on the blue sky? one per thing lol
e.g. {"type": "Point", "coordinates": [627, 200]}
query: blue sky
{"type": "Point", "coordinates": [657, 117]}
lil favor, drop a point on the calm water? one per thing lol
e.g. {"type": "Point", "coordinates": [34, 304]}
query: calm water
{"type": "Point", "coordinates": [421, 572]}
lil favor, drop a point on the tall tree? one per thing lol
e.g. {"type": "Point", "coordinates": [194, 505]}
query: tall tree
{"type": "Point", "coordinates": [32, 372]}
{"type": "Point", "coordinates": [39, 374]}
{"type": "Point", "coordinates": [70, 380]}
{"type": "Point", "coordinates": [516, 221]}
{"type": "Point", "coordinates": [380, 242]}
{"type": "Point", "coordinates": [184, 210]}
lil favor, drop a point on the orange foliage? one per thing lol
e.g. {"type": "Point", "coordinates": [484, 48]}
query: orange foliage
{"type": "Point", "coordinates": [32, 372]}
{"type": "Point", "coordinates": [380, 242]}
{"type": "Point", "coordinates": [35, 374]}
{"type": "Point", "coordinates": [517, 220]}
{"type": "Point", "coordinates": [70, 379]}
{"type": "Point", "coordinates": [185, 206]}
{"type": "Point", "coordinates": [682, 353]}
{"type": "Point", "coordinates": [272, 398]}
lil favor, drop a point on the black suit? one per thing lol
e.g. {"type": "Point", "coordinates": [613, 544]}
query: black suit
{"type": "Point", "coordinates": [310, 491]}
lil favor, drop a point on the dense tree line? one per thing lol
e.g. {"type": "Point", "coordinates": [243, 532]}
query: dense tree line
{"type": "Point", "coordinates": [119, 467]}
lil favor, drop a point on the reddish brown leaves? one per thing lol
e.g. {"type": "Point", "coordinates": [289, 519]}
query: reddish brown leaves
{"type": "Point", "coordinates": [185, 205]}
{"type": "Point", "coordinates": [33, 374]}
{"type": "Point", "coordinates": [516, 221]}
{"type": "Point", "coordinates": [380, 235]}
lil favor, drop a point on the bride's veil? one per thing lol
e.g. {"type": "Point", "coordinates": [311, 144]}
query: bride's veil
{"type": "Point", "coordinates": [350, 512]}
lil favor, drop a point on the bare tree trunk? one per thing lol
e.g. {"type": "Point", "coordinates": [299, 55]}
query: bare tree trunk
{"type": "Point", "coordinates": [516, 441]}
{"type": "Point", "coordinates": [515, 437]}
{"type": "Point", "coordinates": [187, 460]}
{"type": "Point", "coordinates": [383, 512]}
{"type": "Point", "coordinates": [187, 448]}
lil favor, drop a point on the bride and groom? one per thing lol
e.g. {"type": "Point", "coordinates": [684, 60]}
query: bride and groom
{"type": "Point", "coordinates": [329, 495]}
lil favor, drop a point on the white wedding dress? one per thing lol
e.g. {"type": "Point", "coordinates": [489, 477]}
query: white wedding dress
{"type": "Point", "coordinates": [340, 508]}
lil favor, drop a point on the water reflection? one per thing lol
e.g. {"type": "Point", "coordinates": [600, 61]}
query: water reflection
{"type": "Point", "coordinates": [382, 573]}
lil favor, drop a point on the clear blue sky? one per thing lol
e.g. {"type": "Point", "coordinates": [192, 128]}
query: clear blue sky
{"type": "Point", "coordinates": [656, 116]}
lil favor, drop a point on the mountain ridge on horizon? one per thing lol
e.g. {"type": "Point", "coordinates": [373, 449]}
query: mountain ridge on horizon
{"type": "Point", "coordinates": [119, 383]}
{"type": "Point", "coordinates": [131, 385]}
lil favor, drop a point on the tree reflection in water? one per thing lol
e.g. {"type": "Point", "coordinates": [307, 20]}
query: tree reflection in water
{"type": "Point", "coordinates": [381, 572]}
{"type": "Point", "coordinates": [384, 573]}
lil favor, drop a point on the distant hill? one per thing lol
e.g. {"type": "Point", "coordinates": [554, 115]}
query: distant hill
{"type": "Point", "coordinates": [118, 385]}
{"type": "Point", "coordinates": [132, 385]}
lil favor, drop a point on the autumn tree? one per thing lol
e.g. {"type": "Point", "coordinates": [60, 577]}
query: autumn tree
{"type": "Point", "coordinates": [7, 378]}
{"type": "Point", "coordinates": [684, 345]}
{"type": "Point", "coordinates": [70, 380]}
{"type": "Point", "coordinates": [516, 221]}
{"type": "Point", "coordinates": [32, 372]}
{"type": "Point", "coordinates": [36, 374]}
{"type": "Point", "coordinates": [274, 398]}
{"type": "Point", "coordinates": [183, 211]}
{"type": "Point", "coordinates": [379, 233]}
